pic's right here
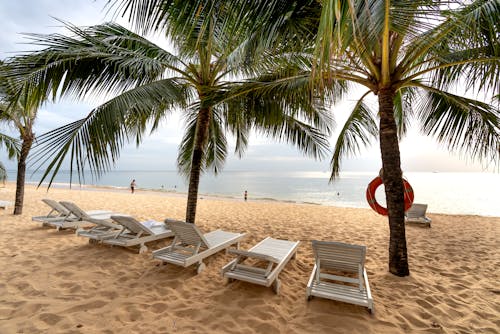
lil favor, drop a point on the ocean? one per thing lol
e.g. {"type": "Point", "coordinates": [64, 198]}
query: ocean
{"type": "Point", "coordinates": [453, 193]}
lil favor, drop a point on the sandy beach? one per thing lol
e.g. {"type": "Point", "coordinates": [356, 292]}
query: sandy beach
{"type": "Point", "coordinates": [55, 282]}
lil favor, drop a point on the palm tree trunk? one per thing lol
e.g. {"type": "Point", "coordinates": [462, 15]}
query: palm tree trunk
{"type": "Point", "coordinates": [393, 182]}
{"type": "Point", "coordinates": [201, 137]}
{"type": "Point", "coordinates": [21, 173]}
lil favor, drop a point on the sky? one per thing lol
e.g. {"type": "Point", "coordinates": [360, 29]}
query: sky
{"type": "Point", "coordinates": [159, 150]}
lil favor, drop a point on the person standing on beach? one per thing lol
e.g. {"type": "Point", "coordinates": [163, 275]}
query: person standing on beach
{"type": "Point", "coordinates": [132, 186]}
{"type": "Point", "coordinates": [245, 195]}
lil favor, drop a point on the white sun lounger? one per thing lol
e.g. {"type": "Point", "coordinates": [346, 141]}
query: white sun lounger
{"type": "Point", "coordinates": [99, 218]}
{"type": "Point", "coordinates": [416, 214]}
{"type": "Point", "coordinates": [274, 253]}
{"type": "Point", "coordinates": [135, 233]}
{"type": "Point", "coordinates": [190, 246]}
{"type": "Point", "coordinates": [5, 204]}
{"type": "Point", "coordinates": [57, 212]}
{"type": "Point", "coordinates": [340, 258]}
{"type": "Point", "coordinates": [61, 217]}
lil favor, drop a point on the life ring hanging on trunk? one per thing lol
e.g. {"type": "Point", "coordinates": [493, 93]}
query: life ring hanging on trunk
{"type": "Point", "coordinates": [372, 201]}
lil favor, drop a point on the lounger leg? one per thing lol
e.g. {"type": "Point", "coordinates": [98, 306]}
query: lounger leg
{"type": "Point", "coordinates": [308, 294]}
{"type": "Point", "coordinates": [276, 286]}
{"type": "Point", "coordinates": [201, 267]}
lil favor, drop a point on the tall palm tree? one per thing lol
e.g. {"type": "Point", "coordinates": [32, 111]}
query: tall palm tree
{"type": "Point", "coordinates": [410, 55]}
{"type": "Point", "coordinates": [17, 111]}
{"type": "Point", "coordinates": [151, 82]}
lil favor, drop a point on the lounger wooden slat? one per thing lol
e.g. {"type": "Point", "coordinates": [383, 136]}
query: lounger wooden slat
{"type": "Point", "coordinates": [340, 258]}
{"type": "Point", "coordinates": [275, 252]}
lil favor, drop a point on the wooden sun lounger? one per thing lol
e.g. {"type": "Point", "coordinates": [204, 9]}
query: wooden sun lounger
{"type": "Point", "coordinates": [340, 258]}
{"type": "Point", "coordinates": [274, 252]}
{"type": "Point", "coordinates": [190, 246]}
{"type": "Point", "coordinates": [61, 217]}
{"type": "Point", "coordinates": [136, 233]}
{"type": "Point", "coordinates": [5, 204]}
{"type": "Point", "coordinates": [416, 214]}
{"type": "Point", "coordinates": [57, 212]}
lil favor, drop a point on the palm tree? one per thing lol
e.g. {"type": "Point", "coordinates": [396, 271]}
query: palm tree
{"type": "Point", "coordinates": [151, 83]}
{"type": "Point", "coordinates": [410, 55]}
{"type": "Point", "coordinates": [16, 110]}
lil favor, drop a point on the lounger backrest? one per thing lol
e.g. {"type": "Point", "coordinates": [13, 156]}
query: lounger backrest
{"type": "Point", "coordinates": [187, 233]}
{"type": "Point", "coordinates": [339, 256]}
{"type": "Point", "coordinates": [56, 206]}
{"type": "Point", "coordinates": [74, 209]}
{"type": "Point", "coordinates": [416, 211]}
{"type": "Point", "coordinates": [131, 224]}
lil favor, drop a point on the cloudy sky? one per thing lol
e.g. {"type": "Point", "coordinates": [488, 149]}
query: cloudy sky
{"type": "Point", "coordinates": [158, 152]}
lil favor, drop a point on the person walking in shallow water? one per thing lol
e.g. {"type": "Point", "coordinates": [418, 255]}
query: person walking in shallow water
{"type": "Point", "coordinates": [245, 195]}
{"type": "Point", "coordinates": [132, 186]}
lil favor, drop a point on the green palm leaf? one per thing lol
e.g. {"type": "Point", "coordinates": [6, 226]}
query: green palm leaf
{"type": "Point", "coordinates": [357, 131]}
{"type": "Point", "coordinates": [97, 139]}
{"type": "Point", "coordinates": [461, 123]}
{"type": "Point", "coordinates": [105, 59]}
{"type": "Point", "coordinates": [3, 173]}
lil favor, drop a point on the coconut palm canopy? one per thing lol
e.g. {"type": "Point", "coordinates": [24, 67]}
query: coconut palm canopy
{"type": "Point", "coordinates": [273, 96]}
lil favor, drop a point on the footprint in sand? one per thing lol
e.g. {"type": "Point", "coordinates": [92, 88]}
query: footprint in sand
{"type": "Point", "coordinates": [50, 318]}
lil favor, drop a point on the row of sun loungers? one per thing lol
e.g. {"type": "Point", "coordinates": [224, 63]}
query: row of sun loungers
{"type": "Point", "coordinates": [339, 272]}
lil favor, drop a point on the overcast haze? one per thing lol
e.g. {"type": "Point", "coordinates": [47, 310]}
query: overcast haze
{"type": "Point", "coordinates": [159, 151]}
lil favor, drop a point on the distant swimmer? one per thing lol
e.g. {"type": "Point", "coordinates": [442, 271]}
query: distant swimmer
{"type": "Point", "coordinates": [132, 186]}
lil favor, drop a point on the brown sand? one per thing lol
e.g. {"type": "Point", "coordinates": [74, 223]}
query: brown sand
{"type": "Point", "coordinates": [56, 282]}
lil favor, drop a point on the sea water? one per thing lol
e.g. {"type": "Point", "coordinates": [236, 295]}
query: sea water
{"type": "Point", "coordinates": [453, 193]}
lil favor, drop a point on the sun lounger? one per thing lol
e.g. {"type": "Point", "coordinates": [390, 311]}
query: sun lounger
{"type": "Point", "coordinates": [135, 233]}
{"type": "Point", "coordinates": [57, 212]}
{"type": "Point", "coordinates": [190, 246]}
{"type": "Point", "coordinates": [5, 204]}
{"type": "Point", "coordinates": [333, 261]}
{"type": "Point", "coordinates": [416, 214]}
{"type": "Point", "coordinates": [61, 217]}
{"type": "Point", "coordinates": [79, 218]}
{"type": "Point", "coordinates": [274, 253]}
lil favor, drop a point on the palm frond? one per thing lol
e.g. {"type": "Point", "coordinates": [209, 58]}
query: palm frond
{"type": "Point", "coordinates": [3, 173]}
{"type": "Point", "coordinates": [357, 131]}
{"type": "Point", "coordinates": [216, 151]}
{"type": "Point", "coordinates": [460, 123]}
{"type": "Point", "coordinates": [101, 59]}
{"type": "Point", "coordinates": [463, 48]}
{"type": "Point", "coordinates": [186, 147]}
{"type": "Point", "coordinates": [97, 139]}
{"type": "Point", "coordinates": [403, 111]}
{"type": "Point", "coordinates": [12, 145]}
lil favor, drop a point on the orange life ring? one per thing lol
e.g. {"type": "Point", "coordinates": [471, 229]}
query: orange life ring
{"type": "Point", "coordinates": [372, 201]}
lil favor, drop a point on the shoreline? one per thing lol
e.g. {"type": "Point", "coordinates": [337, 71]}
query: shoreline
{"type": "Point", "coordinates": [215, 196]}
